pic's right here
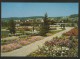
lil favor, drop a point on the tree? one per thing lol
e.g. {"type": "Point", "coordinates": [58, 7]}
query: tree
{"type": "Point", "coordinates": [12, 26]}
{"type": "Point", "coordinates": [45, 25]}
{"type": "Point", "coordinates": [33, 25]}
{"type": "Point", "coordinates": [4, 23]}
{"type": "Point", "coordinates": [61, 26]}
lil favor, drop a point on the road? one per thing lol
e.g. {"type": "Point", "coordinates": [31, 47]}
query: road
{"type": "Point", "coordinates": [26, 50]}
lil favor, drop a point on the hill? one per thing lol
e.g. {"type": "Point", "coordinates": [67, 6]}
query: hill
{"type": "Point", "coordinates": [35, 17]}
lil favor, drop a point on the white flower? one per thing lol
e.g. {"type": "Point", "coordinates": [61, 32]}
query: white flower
{"type": "Point", "coordinates": [53, 54]}
{"type": "Point", "coordinates": [46, 48]}
{"type": "Point", "coordinates": [62, 52]}
{"type": "Point", "coordinates": [44, 51]}
{"type": "Point", "coordinates": [58, 48]}
{"type": "Point", "coordinates": [67, 48]}
{"type": "Point", "coordinates": [63, 48]}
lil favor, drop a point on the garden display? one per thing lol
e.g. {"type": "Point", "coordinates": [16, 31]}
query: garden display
{"type": "Point", "coordinates": [39, 29]}
{"type": "Point", "coordinates": [15, 44]}
{"type": "Point", "coordinates": [57, 48]}
{"type": "Point", "coordinates": [73, 32]}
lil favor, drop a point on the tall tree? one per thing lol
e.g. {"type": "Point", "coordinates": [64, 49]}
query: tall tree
{"type": "Point", "coordinates": [12, 26]}
{"type": "Point", "coordinates": [33, 24]}
{"type": "Point", "coordinates": [45, 25]}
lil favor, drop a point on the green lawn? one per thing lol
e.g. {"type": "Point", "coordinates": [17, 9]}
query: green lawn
{"type": "Point", "coordinates": [4, 34]}
{"type": "Point", "coordinates": [52, 32]}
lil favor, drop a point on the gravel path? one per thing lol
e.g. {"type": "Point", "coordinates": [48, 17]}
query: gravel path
{"type": "Point", "coordinates": [26, 50]}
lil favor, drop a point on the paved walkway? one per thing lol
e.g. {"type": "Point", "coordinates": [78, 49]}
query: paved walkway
{"type": "Point", "coordinates": [26, 50]}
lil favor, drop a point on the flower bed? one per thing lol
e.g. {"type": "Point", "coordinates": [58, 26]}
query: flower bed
{"type": "Point", "coordinates": [35, 38]}
{"type": "Point", "coordinates": [58, 42]}
{"type": "Point", "coordinates": [73, 32]}
{"type": "Point", "coordinates": [4, 42]}
{"type": "Point", "coordinates": [23, 42]}
{"type": "Point", "coordinates": [57, 48]}
{"type": "Point", "coordinates": [19, 43]}
{"type": "Point", "coordinates": [50, 52]}
{"type": "Point", "coordinates": [55, 52]}
{"type": "Point", "coordinates": [10, 47]}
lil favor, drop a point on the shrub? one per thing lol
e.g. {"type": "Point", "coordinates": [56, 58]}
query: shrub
{"type": "Point", "coordinates": [3, 42]}
{"type": "Point", "coordinates": [22, 36]}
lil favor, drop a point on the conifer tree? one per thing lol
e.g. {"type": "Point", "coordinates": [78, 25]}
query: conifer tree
{"type": "Point", "coordinates": [44, 26]}
{"type": "Point", "coordinates": [12, 26]}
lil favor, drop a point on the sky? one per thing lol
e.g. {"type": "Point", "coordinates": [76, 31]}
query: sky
{"type": "Point", "coordinates": [17, 9]}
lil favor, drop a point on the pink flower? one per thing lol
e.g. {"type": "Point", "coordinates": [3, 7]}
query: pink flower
{"type": "Point", "coordinates": [23, 42]}
{"type": "Point", "coordinates": [6, 48]}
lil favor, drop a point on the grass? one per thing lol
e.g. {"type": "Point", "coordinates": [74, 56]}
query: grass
{"type": "Point", "coordinates": [4, 34]}
{"type": "Point", "coordinates": [52, 32]}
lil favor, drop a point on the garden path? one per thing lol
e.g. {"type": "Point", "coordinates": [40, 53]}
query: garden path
{"type": "Point", "coordinates": [26, 50]}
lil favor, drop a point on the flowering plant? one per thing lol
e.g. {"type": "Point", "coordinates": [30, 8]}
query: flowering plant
{"type": "Point", "coordinates": [73, 32]}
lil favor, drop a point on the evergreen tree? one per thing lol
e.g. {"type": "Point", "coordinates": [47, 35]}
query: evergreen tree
{"type": "Point", "coordinates": [12, 26]}
{"type": "Point", "coordinates": [44, 26]}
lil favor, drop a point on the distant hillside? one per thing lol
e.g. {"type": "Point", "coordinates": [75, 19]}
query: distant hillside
{"type": "Point", "coordinates": [73, 15]}
{"type": "Point", "coordinates": [32, 17]}
{"type": "Point", "coordinates": [22, 18]}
